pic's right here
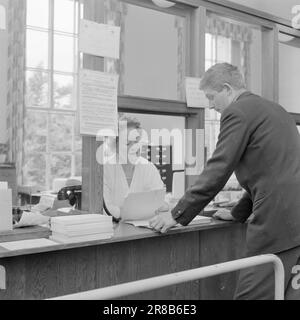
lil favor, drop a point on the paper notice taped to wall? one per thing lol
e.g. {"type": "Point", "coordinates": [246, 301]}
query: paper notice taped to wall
{"type": "Point", "coordinates": [195, 97]}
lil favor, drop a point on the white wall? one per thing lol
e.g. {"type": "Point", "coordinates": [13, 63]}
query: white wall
{"type": "Point", "coordinates": [279, 8]}
{"type": "Point", "coordinates": [3, 72]}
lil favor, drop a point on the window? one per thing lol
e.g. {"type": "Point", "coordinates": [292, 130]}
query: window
{"type": "Point", "coordinates": [289, 70]}
{"type": "Point", "coordinates": [239, 44]}
{"type": "Point", "coordinates": [154, 53]}
{"type": "Point", "coordinates": [52, 148]}
{"type": "Point", "coordinates": [234, 42]}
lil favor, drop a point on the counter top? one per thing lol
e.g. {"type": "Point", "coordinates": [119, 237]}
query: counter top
{"type": "Point", "coordinates": [122, 232]}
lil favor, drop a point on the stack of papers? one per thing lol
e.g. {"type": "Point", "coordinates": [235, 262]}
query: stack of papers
{"type": "Point", "coordinates": [79, 228]}
{"type": "Point", "coordinates": [196, 221]}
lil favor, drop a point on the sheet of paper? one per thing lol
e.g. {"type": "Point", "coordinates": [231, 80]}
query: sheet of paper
{"type": "Point", "coordinates": [6, 210]}
{"type": "Point", "coordinates": [32, 219]}
{"type": "Point", "coordinates": [99, 39]}
{"type": "Point", "coordinates": [3, 185]}
{"type": "Point", "coordinates": [142, 205]}
{"type": "Point", "coordinates": [145, 223]}
{"type": "Point", "coordinates": [27, 244]}
{"type": "Point", "coordinates": [195, 97]}
{"type": "Point", "coordinates": [98, 101]}
{"type": "Point", "coordinates": [65, 210]}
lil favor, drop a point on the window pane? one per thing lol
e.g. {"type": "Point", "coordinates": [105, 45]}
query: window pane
{"type": "Point", "coordinates": [63, 53]}
{"type": "Point", "coordinates": [35, 131]}
{"type": "Point", "coordinates": [38, 13]}
{"type": "Point", "coordinates": [60, 166]}
{"type": "Point", "coordinates": [37, 49]}
{"type": "Point", "coordinates": [35, 169]}
{"type": "Point", "coordinates": [63, 92]}
{"type": "Point", "coordinates": [64, 15]}
{"type": "Point", "coordinates": [154, 54]}
{"type": "Point", "coordinates": [36, 89]}
{"type": "Point", "coordinates": [61, 132]}
{"type": "Point", "coordinates": [289, 71]}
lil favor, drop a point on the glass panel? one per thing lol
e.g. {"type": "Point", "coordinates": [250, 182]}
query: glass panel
{"type": "Point", "coordinates": [63, 53]}
{"type": "Point", "coordinates": [35, 131]}
{"type": "Point", "coordinates": [37, 49]}
{"type": "Point", "coordinates": [289, 71]}
{"type": "Point", "coordinates": [64, 15]}
{"type": "Point", "coordinates": [38, 13]}
{"type": "Point", "coordinates": [231, 41]}
{"type": "Point", "coordinates": [63, 91]}
{"type": "Point", "coordinates": [61, 132]}
{"type": "Point", "coordinates": [60, 166]}
{"type": "Point", "coordinates": [36, 89]}
{"type": "Point", "coordinates": [35, 169]}
{"type": "Point", "coordinates": [156, 66]}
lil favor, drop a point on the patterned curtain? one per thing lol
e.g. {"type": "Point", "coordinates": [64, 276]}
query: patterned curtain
{"type": "Point", "coordinates": [236, 32]}
{"type": "Point", "coordinates": [16, 82]}
{"type": "Point", "coordinates": [179, 25]}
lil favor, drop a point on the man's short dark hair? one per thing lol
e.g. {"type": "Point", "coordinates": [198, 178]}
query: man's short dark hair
{"type": "Point", "coordinates": [221, 73]}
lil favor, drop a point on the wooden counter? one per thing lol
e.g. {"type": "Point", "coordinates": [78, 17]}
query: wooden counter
{"type": "Point", "coordinates": [132, 254]}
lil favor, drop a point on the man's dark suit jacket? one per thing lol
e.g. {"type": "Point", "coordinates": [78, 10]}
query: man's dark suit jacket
{"type": "Point", "coordinates": [258, 140]}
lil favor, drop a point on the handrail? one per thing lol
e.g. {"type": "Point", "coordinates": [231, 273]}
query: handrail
{"type": "Point", "coordinates": [133, 287]}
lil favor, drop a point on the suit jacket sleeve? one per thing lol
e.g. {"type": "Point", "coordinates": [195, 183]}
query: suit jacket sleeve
{"type": "Point", "coordinates": [243, 209]}
{"type": "Point", "coordinates": [232, 142]}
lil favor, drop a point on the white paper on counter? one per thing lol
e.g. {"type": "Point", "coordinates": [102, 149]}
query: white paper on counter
{"type": "Point", "coordinates": [6, 223]}
{"type": "Point", "coordinates": [98, 102]}
{"type": "Point", "coordinates": [195, 97]}
{"type": "Point", "coordinates": [99, 39]}
{"type": "Point", "coordinates": [27, 244]}
{"type": "Point", "coordinates": [32, 219]}
{"type": "Point", "coordinates": [3, 185]}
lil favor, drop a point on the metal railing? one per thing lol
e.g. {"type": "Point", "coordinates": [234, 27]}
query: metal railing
{"type": "Point", "coordinates": [134, 287]}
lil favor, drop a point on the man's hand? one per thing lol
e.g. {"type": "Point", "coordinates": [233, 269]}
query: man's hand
{"type": "Point", "coordinates": [223, 214]}
{"type": "Point", "coordinates": [162, 222]}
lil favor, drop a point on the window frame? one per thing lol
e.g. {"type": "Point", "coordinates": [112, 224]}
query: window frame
{"type": "Point", "coordinates": [51, 73]}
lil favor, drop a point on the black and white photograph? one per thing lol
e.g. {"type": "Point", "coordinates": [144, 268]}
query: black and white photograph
{"type": "Point", "coordinates": [149, 153]}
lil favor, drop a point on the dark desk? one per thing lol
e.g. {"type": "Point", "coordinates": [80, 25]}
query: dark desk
{"type": "Point", "coordinates": [132, 254]}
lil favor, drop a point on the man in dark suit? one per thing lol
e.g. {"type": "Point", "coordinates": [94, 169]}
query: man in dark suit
{"type": "Point", "coordinates": [258, 141]}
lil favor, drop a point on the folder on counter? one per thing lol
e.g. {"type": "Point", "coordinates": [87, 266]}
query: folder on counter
{"type": "Point", "coordinates": [198, 220]}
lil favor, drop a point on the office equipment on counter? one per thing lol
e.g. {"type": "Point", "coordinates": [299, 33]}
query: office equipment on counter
{"type": "Point", "coordinates": [142, 205]}
{"type": "Point", "coordinates": [198, 220]}
{"type": "Point", "coordinates": [72, 194]}
{"type": "Point", "coordinates": [5, 208]}
{"type": "Point", "coordinates": [79, 228]}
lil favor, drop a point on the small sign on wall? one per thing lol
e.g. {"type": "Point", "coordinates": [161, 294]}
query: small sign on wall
{"type": "Point", "coordinates": [99, 39]}
{"type": "Point", "coordinates": [195, 97]}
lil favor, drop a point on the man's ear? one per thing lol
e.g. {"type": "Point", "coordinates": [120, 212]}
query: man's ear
{"type": "Point", "coordinates": [228, 88]}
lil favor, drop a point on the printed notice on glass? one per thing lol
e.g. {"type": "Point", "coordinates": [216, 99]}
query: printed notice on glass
{"type": "Point", "coordinates": [195, 97]}
{"type": "Point", "coordinates": [98, 103]}
{"type": "Point", "coordinates": [99, 39]}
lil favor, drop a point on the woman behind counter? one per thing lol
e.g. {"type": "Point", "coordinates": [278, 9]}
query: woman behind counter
{"type": "Point", "coordinates": [128, 174]}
